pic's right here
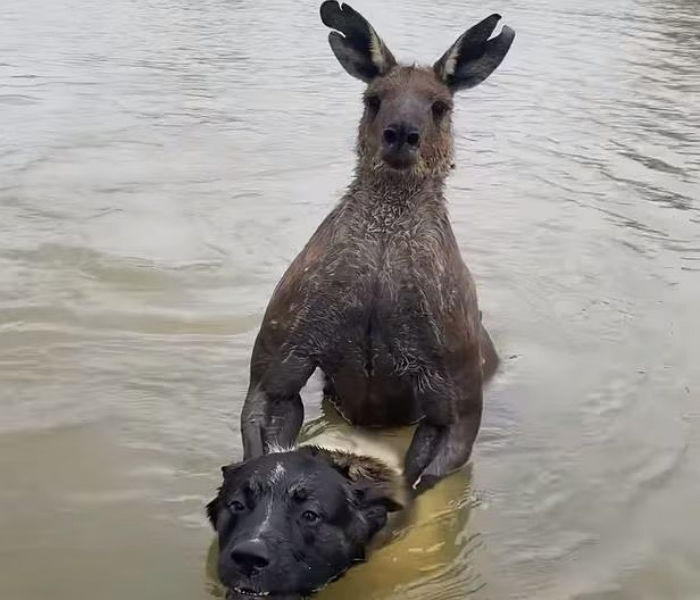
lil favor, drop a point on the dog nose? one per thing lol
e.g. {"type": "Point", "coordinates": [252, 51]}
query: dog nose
{"type": "Point", "coordinates": [396, 134]}
{"type": "Point", "coordinates": [250, 556]}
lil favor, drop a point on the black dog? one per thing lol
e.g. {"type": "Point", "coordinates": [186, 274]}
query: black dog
{"type": "Point", "coordinates": [291, 521]}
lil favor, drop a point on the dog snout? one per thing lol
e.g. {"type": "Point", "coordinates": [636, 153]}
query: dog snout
{"type": "Point", "coordinates": [250, 556]}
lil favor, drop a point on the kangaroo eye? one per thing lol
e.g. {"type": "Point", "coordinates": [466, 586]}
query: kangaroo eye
{"type": "Point", "coordinates": [237, 506]}
{"type": "Point", "coordinates": [310, 516]}
{"type": "Point", "coordinates": [373, 102]}
{"type": "Point", "coordinates": [440, 109]}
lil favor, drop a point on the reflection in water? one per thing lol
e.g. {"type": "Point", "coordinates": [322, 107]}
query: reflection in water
{"type": "Point", "coordinates": [160, 164]}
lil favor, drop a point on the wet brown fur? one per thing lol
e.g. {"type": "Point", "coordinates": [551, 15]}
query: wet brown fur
{"type": "Point", "coordinates": [380, 299]}
{"type": "Point", "coordinates": [437, 147]}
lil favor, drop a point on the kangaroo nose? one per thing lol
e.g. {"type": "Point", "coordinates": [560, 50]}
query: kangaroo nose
{"type": "Point", "coordinates": [396, 135]}
{"type": "Point", "coordinates": [391, 136]}
{"type": "Point", "coordinates": [413, 139]}
{"type": "Point", "coordinates": [250, 556]}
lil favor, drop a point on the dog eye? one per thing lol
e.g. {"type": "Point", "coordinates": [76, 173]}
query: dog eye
{"type": "Point", "coordinates": [310, 516]}
{"type": "Point", "coordinates": [440, 109]}
{"type": "Point", "coordinates": [373, 102]}
{"type": "Point", "coordinates": [237, 506]}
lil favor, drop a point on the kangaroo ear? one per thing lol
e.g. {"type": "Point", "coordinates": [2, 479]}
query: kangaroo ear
{"type": "Point", "coordinates": [473, 57]}
{"type": "Point", "coordinates": [359, 49]}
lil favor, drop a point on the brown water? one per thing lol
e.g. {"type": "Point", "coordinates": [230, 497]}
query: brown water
{"type": "Point", "coordinates": [162, 161]}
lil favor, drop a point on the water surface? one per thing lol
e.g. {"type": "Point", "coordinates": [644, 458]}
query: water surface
{"type": "Point", "coordinates": [161, 162]}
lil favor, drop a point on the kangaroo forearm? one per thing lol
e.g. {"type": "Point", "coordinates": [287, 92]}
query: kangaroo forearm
{"type": "Point", "coordinates": [421, 451]}
{"type": "Point", "coordinates": [442, 444]}
{"type": "Point", "coordinates": [268, 422]}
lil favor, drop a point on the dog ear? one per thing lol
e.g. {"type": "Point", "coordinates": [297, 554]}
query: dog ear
{"type": "Point", "coordinates": [228, 470]}
{"type": "Point", "coordinates": [372, 482]}
{"type": "Point", "coordinates": [214, 506]}
{"type": "Point", "coordinates": [370, 493]}
{"type": "Point", "coordinates": [355, 43]}
{"type": "Point", "coordinates": [473, 57]}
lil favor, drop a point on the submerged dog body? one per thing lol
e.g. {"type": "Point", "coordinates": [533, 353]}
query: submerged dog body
{"type": "Point", "coordinates": [380, 299]}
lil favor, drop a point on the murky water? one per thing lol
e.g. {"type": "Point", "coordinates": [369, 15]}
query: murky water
{"type": "Point", "coordinates": [160, 164]}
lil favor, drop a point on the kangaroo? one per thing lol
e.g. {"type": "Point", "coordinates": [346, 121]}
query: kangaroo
{"type": "Point", "coordinates": [379, 299]}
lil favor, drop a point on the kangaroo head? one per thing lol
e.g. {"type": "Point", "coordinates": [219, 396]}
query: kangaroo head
{"type": "Point", "coordinates": [406, 125]}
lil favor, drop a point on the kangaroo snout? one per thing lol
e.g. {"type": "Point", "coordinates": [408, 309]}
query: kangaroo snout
{"type": "Point", "coordinates": [400, 143]}
{"type": "Point", "coordinates": [395, 136]}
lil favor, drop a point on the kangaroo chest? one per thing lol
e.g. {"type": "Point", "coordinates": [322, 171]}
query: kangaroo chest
{"type": "Point", "coordinates": [389, 292]}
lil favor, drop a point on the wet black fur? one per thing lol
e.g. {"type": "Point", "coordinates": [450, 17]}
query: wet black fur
{"type": "Point", "coordinates": [265, 499]}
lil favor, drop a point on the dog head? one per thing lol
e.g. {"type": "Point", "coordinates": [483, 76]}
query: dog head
{"type": "Point", "coordinates": [289, 522]}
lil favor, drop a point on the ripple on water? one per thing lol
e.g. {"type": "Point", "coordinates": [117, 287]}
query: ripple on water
{"type": "Point", "coordinates": [160, 164]}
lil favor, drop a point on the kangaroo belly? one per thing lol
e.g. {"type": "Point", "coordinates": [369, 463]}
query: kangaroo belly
{"type": "Point", "coordinates": [382, 403]}
{"type": "Point", "coordinates": [370, 368]}
{"type": "Point", "coordinates": [369, 391]}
